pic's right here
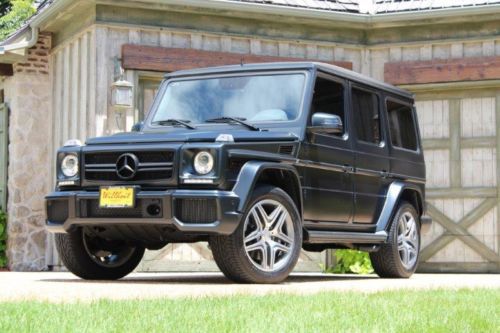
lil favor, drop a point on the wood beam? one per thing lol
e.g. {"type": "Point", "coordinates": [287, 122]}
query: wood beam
{"type": "Point", "coordinates": [442, 70]}
{"type": "Point", "coordinates": [6, 70]}
{"type": "Point", "coordinates": [163, 59]}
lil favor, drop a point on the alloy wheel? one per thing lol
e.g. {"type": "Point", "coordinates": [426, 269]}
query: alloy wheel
{"type": "Point", "coordinates": [408, 240]}
{"type": "Point", "coordinates": [268, 235]}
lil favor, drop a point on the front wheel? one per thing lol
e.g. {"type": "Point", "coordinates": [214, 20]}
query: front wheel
{"type": "Point", "coordinates": [94, 258]}
{"type": "Point", "coordinates": [398, 258]}
{"type": "Point", "coordinates": [266, 245]}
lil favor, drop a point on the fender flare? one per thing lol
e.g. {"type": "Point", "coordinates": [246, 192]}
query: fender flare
{"type": "Point", "coordinates": [391, 202]}
{"type": "Point", "coordinates": [250, 173]}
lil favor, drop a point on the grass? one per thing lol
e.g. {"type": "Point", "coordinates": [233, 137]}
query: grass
{"type": "Point", "coordinates": [396, 311]}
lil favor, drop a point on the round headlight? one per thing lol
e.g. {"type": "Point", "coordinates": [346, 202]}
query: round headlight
{"type": "Point", "coordinates": [203, 162]}
{"type": "Point", "coordinates": [69, 165]}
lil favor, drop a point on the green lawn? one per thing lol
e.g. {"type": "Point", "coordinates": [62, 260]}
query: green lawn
{"type": "Point", "coordinates": [415, 311]}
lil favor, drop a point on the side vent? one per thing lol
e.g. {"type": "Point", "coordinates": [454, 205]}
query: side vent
{"type": "Point", "coordinates": [286, 150]}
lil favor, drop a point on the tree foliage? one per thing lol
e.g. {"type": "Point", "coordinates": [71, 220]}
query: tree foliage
{"type": "Point", "coordinates": [13, 14]}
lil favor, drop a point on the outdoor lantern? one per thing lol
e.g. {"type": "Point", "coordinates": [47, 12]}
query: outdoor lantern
{"type": "Point", "coordinates": [122, 93]}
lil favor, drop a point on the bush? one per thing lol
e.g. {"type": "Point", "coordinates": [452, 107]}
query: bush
{"type": "Point", "coordinates": [15, 14]}
{"type": "Point", "coordinates": [351, 261]}
{"type": "Point", "coordinates": [3, 239]}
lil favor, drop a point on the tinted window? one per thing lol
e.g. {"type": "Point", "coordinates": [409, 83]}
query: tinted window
{"type": "Point", "coordinates": [402, 125]}
{"type": "Point", "coordinates": [365, 109]}
{"type": "Point", "coordinates": [329, 98]}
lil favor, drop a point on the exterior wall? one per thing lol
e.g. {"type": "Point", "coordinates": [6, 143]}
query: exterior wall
{"type": "Point", "coordinates": [28, 95]}
{"type": "Point", "coordinates": [84, 67]}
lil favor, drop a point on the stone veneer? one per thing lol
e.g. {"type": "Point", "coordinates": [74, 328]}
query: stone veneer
{"type": "Point", "coordinates": [28, 96]}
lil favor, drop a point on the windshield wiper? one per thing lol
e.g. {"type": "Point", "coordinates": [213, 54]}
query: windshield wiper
{"type": "Point", "coordinates": [184, 123]}
{"type": "Point", "coordinates": [240, 121]}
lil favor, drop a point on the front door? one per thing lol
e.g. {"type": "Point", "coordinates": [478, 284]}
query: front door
{"type": "Point", "coordinates": [371, 157]}
{"type": "Point", "coordinates": [4, 116]}
{"type": "Point", "coordinates": [327, 161]}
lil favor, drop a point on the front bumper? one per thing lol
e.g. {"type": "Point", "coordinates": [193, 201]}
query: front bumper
{"type": "Point", "coordinates": [207, 211]}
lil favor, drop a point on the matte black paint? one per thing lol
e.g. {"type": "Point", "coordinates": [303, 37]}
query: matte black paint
{"type": "Point", "coordinates": [347, 190]}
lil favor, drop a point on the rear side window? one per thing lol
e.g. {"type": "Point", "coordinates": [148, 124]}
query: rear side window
{"type": "Point", "coordinates": [402, 125]}
{"type": "Point", "coordinates": [365, 108]}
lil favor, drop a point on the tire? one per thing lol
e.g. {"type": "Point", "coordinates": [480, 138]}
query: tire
{"type": "Point", "coordinates": [243, 260]}
{"type": "Point", "coordinates": [392, 261]}
{"type": "Point", "coordinates": [80, 254]}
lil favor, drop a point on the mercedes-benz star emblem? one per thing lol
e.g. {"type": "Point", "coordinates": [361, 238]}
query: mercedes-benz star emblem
{"type": "Point", "coordinates": [126, 166]}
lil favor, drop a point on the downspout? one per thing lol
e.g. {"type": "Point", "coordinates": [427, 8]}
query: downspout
{"type": "Point", "coordinates": [37, 20]}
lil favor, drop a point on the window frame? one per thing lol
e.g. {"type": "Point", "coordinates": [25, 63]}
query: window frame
{"type": "Point", "coordinates": [346, 135]}
{"type": "Point", "coordinates": [414, 118]}
{"type": "Point", "coordinates": [382, 120]}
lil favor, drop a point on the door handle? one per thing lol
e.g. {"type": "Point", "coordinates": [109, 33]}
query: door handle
{"type": "Point", "coordinates": [347, 168]}
{"type": "Point", "coordinates": [384, 174]}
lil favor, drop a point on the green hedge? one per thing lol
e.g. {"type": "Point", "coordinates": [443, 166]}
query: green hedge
{"type": "Point", "coordinates": [351, 261]}
{"type": "Point", "coordinates": [3, 239]}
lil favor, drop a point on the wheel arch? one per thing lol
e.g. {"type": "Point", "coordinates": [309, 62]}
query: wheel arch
{"type": "Point", "coordinates": [397, 192]}
{"type": "Point", "coordinates": [280, 175]}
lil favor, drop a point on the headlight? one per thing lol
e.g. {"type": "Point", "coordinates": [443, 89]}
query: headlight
{"type": "Point", "coordinates": [203, 162]}
{"type": "Point", "coordinates": [69, 165]}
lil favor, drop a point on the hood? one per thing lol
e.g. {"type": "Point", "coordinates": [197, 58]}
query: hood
{"type": "Point", "coordinates": [192, 136]}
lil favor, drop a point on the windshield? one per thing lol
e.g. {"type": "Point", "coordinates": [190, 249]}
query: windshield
{"type": "Point", "coordinates": [256, 98]}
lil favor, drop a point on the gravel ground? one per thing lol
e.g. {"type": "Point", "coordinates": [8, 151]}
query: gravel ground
{"type": "Point", "coordinates": [65, 287]}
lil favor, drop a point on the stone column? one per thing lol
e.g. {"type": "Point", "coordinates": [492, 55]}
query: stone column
{"type": "Point", "coordinates": [28, 95]}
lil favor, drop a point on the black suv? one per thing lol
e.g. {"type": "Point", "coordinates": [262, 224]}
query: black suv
{"type": "Point", "coordinates": [259, 160]}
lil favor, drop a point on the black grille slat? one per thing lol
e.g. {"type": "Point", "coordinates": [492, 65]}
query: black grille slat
{"type": "Point", "coordinates": [153, 165]}
{"type": "Point", "coordinates": [286, 149]}
{"type": "Point", "coordinates": [196, 211]}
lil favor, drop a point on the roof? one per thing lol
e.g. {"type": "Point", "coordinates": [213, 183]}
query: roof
{"type": "Point", "coordinates": [305, 65]}
{"type": "Point", "coordinates": [374, 6]}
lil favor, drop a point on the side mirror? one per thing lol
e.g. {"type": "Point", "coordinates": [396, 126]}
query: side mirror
{"type": "Point", "coordinates": [326, 123]}
{"type": "Point", "coordinates": [137, 127]}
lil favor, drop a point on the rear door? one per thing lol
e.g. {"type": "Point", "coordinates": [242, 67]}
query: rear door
{"type": "Point", "coordinates": [371, 154]}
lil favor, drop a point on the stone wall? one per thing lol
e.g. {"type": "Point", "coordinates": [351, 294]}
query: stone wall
{"type": "Point", "coordinates": [28, 95]}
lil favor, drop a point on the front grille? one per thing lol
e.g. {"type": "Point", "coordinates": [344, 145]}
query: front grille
{"type": "Point", "coordinates": [196, 211]}
{"type": "Point", "coordinates": [153, 165]}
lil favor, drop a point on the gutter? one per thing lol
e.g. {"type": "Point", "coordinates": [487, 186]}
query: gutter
{"type": "Point", "coordinates": [34, 24]}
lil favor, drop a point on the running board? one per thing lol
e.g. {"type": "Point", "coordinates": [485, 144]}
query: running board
{"type": "Point", "coordinates": [328, 237]}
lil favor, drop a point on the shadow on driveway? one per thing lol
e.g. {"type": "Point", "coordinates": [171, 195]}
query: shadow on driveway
{"type": "Point", "coordinates": [210, 278]}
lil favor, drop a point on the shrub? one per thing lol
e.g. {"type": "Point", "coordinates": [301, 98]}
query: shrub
{"type": "Point", "coordinates": [351, 261]}
{"type": "Point", "coordinates": [3, 239]}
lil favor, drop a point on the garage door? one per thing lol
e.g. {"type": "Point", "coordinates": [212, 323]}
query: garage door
{"type": "Point", "coordinates": [460, 132]}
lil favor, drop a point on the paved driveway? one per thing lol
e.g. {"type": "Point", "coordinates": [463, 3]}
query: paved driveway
{"type": "Point", "coordinates": [65, 287]}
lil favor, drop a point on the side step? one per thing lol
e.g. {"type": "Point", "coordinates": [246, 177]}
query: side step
{"type": "Point", "coordinates": [328, 237]}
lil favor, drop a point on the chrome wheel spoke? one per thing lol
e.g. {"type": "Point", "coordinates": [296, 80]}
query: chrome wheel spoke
{"type": "Point", "coordinates": [255, 235]}
{"type": "Point", "coordinates": [256, 246]}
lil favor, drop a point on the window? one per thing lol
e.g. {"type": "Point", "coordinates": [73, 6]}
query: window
{"type": "Point", "coordinates": [329, 98]}
{"type": "Point", "coordinates": [402, 125]}
{"type": "Point", "coordinates": [365, 109]}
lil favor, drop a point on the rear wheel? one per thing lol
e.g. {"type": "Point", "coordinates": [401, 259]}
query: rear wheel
{"type": "Point", "coordinates": [398, 258]}
{"type": "Point", "coordinates": [266, 245]}
{"type": "Point", "coordinates": [94, 258]}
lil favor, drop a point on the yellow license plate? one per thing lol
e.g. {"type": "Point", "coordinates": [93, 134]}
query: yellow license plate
{"type": "Point", "coordinates": [117, 197]}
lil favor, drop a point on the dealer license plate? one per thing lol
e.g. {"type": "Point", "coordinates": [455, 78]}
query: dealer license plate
{"type": "Point", "coordinates": [117, 197]}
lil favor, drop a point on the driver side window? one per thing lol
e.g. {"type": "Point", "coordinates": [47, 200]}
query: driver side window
{"type": "Point", "coordinates": [329, 98]}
